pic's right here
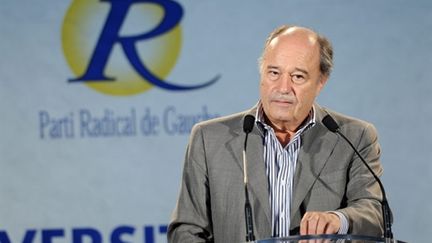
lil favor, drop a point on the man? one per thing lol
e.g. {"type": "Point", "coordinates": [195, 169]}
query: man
{"type": "Point", "coordinates": [303, 179]}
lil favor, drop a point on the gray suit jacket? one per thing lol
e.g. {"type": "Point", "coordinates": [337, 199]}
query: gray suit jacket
{"type": "Point", "coordinates": [329, 176]}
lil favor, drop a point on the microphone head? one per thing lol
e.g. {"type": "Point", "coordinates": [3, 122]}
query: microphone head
{"type": "Point", "coordinates": [248, 123]}
{"type": "Point", "coordinates": [330, 123]}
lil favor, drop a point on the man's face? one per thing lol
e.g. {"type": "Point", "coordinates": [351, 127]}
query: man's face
{"type": "Point", "coordinates": [290, 78]}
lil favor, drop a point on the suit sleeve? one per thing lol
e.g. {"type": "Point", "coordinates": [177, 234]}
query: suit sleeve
{"type": "Point", "coordinates": [363, 209]}
{"type": "Point", "coordinates": [191, 219]}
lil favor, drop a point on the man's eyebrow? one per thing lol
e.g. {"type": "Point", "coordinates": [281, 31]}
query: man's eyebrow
{"type": "Point", "coordinates": [301, 70]}
{"type": "Point", "coordinates": [295, 69]}
{"type": "Point", "coordinates": [272, 67]}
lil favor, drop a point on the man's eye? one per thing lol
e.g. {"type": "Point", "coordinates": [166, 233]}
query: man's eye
{"type": "Point", "coordinates": [297, 78]}
{"type": "Point", "coordinates": [273, 75]}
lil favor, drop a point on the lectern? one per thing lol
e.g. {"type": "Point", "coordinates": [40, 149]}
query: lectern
{"type": "Point", "coordinates": [329, 239]}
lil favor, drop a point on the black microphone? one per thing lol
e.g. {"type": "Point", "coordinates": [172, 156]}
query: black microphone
{"type": "Point", "coordinates": [331, 125]}
{"type": "Point", "coordinates": [248, 125]}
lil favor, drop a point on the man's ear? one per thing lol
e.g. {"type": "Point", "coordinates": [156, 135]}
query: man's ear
{"type": "Point", "coordinates": [321, 83]}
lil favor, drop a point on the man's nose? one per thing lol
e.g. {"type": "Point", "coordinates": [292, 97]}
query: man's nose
{"type": "Point", "coordinates": [285, 84]}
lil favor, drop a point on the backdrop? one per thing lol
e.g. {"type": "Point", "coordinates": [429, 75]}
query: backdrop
{"type": "Point", "coordinates": [97, 99]}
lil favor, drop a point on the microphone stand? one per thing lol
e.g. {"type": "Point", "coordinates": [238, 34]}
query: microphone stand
{"type": "Point", "coordinates": [247, 128]}
{"type": "Point", "coordinates": [385, 207]}
{"type": "Point", "coordinates": [331, 124]}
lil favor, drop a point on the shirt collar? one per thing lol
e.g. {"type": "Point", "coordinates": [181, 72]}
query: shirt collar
{"type": "Point", "coordinates": [263, 126]}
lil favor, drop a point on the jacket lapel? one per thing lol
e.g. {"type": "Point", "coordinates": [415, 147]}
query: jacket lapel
{"type": "Point", "coordinates": [258, 182]}
{"type": "Point", "coordinates": [317, 145]}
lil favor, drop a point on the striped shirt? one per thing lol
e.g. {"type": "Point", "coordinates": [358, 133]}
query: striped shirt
{"type": "Point", "coordinates": [280, 165]}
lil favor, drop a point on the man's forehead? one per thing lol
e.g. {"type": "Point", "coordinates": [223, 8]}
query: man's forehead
{"type": "Point", "coordinates": [298, 35]}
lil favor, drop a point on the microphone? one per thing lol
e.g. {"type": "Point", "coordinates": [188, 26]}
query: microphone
{"type": "Point", "coordinates": [248, 125]}
{"type": "Point", "coordinates": [331, 125]}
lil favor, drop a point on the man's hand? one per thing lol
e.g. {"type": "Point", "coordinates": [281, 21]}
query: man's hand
{"type": "Point", "coordinates": [316, 223]}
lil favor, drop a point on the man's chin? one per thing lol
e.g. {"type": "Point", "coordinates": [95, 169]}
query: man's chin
{"type": "Point", "coordinates": [283, 117]}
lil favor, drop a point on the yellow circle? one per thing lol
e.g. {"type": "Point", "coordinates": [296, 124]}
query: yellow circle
{"type": "Point", "coordinates": [82, 26]}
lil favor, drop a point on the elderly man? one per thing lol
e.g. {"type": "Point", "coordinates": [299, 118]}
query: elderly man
{"type": "Point", "coordinates": [303, 179]}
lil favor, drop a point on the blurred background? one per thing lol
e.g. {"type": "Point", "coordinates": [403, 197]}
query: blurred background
{"type": "Point", "coordinates": [92, 141]}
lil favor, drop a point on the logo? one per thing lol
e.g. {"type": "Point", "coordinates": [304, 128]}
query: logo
{"type": "Point", "coordinates": [124, 47]}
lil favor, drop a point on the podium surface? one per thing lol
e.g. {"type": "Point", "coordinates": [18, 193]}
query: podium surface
{"type": "Point", "coordinates": [329, 239]}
